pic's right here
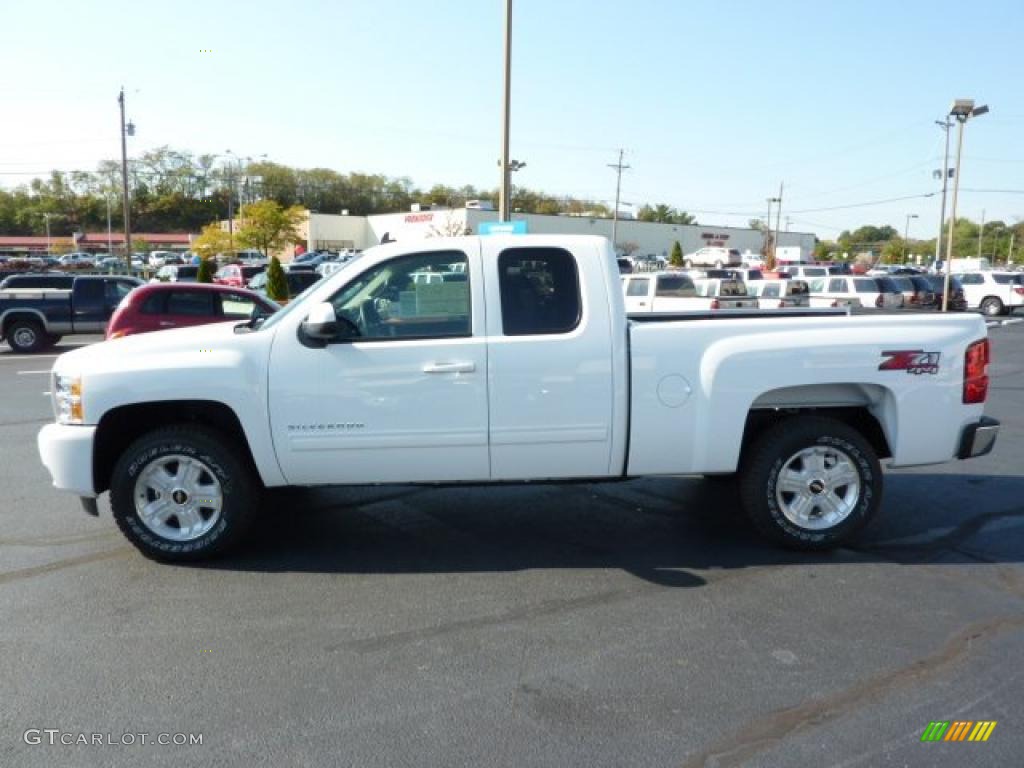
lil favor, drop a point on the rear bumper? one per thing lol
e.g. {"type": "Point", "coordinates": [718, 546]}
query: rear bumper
{"type": "Point", "coordinates": [66, 452]}
{"type": "Point", "coordinates": [978, 438]}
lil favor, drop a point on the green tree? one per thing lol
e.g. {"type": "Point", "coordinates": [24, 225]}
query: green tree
{"type": "Point", "coordinates": [277, 283]}
{"type": "Point", "coordinates": [211, 241]}
{"type": "Point", "coordinates": [269, 227]}
{"type": "Point", "coordinates": [207, 268]}
{"type": "Point", "coordinates": [140, 245]}
{"type": "Point", "coordinates": [676, 256]}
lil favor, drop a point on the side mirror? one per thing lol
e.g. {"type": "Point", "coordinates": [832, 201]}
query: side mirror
{"type": "Point", "coordinates": [322, 326]}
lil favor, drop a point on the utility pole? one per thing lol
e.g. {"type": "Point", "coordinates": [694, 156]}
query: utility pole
{"type": "Point", "coordinates": [619, 168]}
{"type": "Point", "coordinates": [124, 187]}
{"type": "Point", "coordinates": [778, 217]}
{"type": "Point", "coordinates": [981, 231]}
{"type": "Point", "coordinates": [505, 191]}
{"type": "Point", "coordinates": [110, 239]}
{"type": "Point", "coordinates": [1009, 253]}
{"type": "Point", "coordinates": [945, 125]}
{"type": "Point", "coordinates": [768, 254]}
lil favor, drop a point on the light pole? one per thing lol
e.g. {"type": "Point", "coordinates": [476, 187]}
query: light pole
{"type": "Point", "coordinates": [110, 239]}
{"type": "Point", "coordinates": [945, 124]}
{"type": "Point", "coordinates": [778, 217]}
{"type": "Point", "coordinates": [906, 234]}
{"type": "Point", "coordinates": [768, 254]}
{"type": "Point", "coordinates": [962, 110]}
{"type": "Point", "coordinates": [981, 231]}
{"type": "Point", "coordinates": [49, 247]}
{"type": "Point", "coordinates": [506, 172]}
{"type": "Point", "coordinates": [126, 131]}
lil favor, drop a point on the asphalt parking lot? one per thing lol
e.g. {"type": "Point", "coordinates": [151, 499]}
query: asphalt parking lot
{"type": "Point", "coordinates": [636, 623]}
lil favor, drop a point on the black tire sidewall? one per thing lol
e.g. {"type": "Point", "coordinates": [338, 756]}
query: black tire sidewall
{"type": "Point", "coordinates": [760, 491]}
{"type": "Point", "coordinates": [194, 443]}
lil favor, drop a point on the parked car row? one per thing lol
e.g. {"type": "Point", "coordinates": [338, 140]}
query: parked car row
{"type": "Point", "coordinates": [678, 291]}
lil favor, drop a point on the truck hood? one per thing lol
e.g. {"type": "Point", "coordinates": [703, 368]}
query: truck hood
{"type": "Point", "coordinates": [158, 348]}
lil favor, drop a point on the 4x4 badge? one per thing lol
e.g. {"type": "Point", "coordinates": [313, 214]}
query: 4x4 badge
{"type": "Point", "coordinates": [914, 361]}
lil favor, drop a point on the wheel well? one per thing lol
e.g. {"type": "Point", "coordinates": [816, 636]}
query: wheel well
{"type": "Point", "coordinates": [120, 427]}
{"type": "Point", "coordinates": [13, 317]}
{"type": "Point", "coordinates": [859, 418]}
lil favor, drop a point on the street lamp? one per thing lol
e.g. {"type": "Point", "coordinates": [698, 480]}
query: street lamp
{"type": "Point", "coordinates": [945, 125]}
{"type": "Point", "coordinates": [506, 171]}
{"type": "Point", "coordinates": [906, 234]}
{"type": "Point", "coordinates": [127, 129]}
{"type": "Point", "coordinates": [768, 230]}
{"type": "Point", "coordinates": [49, 248]}
{"type": "Point", "coordinates": [962, 110]}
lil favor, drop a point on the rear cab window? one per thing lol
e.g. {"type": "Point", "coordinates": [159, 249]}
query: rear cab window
{"type": "Point", "coordinates": [638, 286]}
{"type": "Point", "coordinates": [540, 291]}
{"type": "Point", "coordinates": [675, 287]}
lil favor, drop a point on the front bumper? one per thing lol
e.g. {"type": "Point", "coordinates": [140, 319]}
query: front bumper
{"type": "Point", "coordinates": [978, 438]}
{"type": "Point", "coordinates": [66, 452]}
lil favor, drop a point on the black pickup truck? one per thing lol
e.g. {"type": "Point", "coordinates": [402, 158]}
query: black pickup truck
{"type": "Point", "coordinates": [34, 319]}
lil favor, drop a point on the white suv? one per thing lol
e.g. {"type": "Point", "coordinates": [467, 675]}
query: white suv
{"type": "Point", "coordinates": [994, 293]}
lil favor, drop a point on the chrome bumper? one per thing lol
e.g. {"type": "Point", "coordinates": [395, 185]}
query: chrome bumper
{"type": "Point", "coordinates": [979, 438]}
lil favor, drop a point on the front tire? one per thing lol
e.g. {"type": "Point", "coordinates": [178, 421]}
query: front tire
{"type": "Point", "coordinates": [810, 483]}
{"type": "Point", "coordinates": [182, 494]}
{"type": "Point", "coordinates": [26, 336]}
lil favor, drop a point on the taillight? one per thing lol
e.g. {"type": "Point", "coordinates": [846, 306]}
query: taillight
{"type": "Point", "coordinates": [878, 301]}
{"type": "Point", "coordinates": [976, 362]}
{"type": "Point", "coordinates": [1019, 290]}
{"type": "Point", "coordinates": [715, 304]}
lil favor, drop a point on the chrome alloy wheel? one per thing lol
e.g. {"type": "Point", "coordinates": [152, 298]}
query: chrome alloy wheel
{"type": "Point", "coordinates": [178, 498]}
{"type": "Point", "coordinates": [818, 487]}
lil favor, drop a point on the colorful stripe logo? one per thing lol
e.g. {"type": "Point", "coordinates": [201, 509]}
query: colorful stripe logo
{"type": "Point", "coordinates": [958, 730]}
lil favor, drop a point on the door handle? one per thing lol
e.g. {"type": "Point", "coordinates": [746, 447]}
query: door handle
{"type": "Point", "coordinates": [461, 367]}
{"type": "Point", "coordinates": [165, 324]}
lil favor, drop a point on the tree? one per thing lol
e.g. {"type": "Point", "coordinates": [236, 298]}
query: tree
{"type": "Point", "coordinates": [269, 227]}
{"type": "Point", "coordinates": [277, 283]}
{"type": "Point", "coordinates": [628, 248]}
{"type": "Point", "coordinates": [676, 256]}
{"type": "Point", "coordinates": [211, 241]}
{"type": "Point", "coordinates": [206, 270]}
{"type": "Point", "coordinates": [141, 246]}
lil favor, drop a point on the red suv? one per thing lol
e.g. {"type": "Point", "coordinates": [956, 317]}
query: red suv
{"type": "Point", "coordinates": [159, 306]}
{"type": "Point", "coordinates": [236, 275]}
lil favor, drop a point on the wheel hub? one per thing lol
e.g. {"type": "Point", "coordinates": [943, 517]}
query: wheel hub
{"type": "Point", "coordinates": [178, 497]}
{"type": "Point", "coordinates": [818, 487]}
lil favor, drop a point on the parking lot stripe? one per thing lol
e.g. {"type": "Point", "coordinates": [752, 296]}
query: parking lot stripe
{"type": "Point", "coordinates": [26, 373]}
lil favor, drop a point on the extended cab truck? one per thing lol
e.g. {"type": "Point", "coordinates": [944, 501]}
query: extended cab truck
{"type": "Point", "coordinates": [529, 369]}
{"type": "Point", "coordinates": [34, 319]}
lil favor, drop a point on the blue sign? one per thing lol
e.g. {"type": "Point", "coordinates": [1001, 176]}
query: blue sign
{"type": "Point", "coordinates": [502, 227]}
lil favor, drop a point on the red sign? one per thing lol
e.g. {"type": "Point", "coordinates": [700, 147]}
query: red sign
{"type": "Point", "coordinates": [418, 218]}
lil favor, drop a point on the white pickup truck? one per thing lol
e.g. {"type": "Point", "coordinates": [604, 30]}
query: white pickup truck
{"type": "Point", "coordinates": [525, 368]}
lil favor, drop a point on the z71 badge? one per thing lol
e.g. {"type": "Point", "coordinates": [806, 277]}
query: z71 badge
{"type": "Point", "coordinates": [914, 361]}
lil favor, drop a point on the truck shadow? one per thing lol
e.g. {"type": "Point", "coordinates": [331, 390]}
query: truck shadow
{"type": "Point", "coordinates": [673, 532]}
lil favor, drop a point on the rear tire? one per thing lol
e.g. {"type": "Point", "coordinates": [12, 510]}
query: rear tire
{"type": "Point", "coordinates": [810, 483]}
{"type": "Point", "coordinates": [26, 336]}
{"type": "Point", "coordinates": [992, 307]}
{"type": "Point", "coordinates": [183, 494]}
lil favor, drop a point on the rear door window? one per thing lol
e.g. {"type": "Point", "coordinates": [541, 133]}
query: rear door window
{"type": "Point", "coordinates": [770, 291]}
{"type": "Point", "coordinates": [540, 291]}
{"type": "Point", "coordinates": [191, 303]}
{"type": "Point", "coordinates": [837, 285]}
{"type": "Point", "coordinates": [638, 287]}
{"type": "Point", "coordinates": [866, 286]}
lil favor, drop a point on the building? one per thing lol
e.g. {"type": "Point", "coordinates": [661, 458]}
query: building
{"type": "Point", "coordinates": [91, 242]}
{"type": "Point", "coordinates": [333, 232]}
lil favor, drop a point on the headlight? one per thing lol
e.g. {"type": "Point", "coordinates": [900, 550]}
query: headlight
{"type": "Point", "coordinates": [67, 397]}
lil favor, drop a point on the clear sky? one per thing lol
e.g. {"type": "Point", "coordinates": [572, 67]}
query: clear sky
{"type": "Point", "coordinates": [715, 103]}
